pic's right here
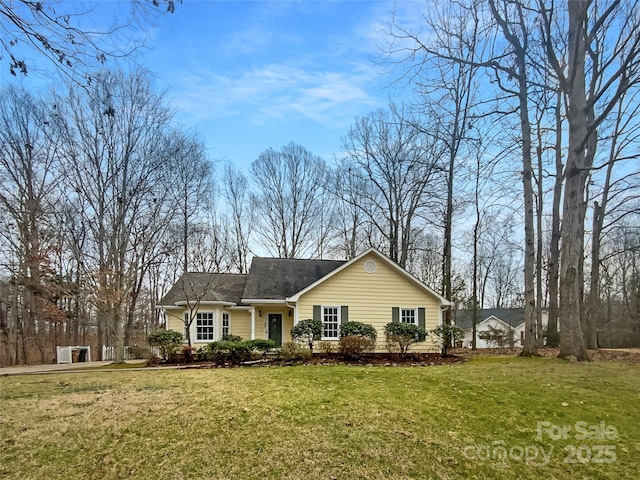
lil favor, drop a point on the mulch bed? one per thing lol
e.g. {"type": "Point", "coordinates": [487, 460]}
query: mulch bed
{"type": "Point", "coordinates": [386, 359]}
{"type": "Point", "coordinates": [369, 360]}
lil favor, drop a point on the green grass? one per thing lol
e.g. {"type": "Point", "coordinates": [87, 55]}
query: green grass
{"type": "Point", "coordinates": [319, 422]}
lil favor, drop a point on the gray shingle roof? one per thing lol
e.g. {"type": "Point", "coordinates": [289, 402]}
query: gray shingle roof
{"type": "Point", "coordinates": [511, 316]}
{"type": "Point", "coordinates": [208, 287]}
{"type": "Point", "coordinates": [279, 278]}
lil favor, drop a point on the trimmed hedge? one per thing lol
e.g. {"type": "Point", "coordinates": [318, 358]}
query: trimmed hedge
{"type": "Point", "coordinates": [358, 328]}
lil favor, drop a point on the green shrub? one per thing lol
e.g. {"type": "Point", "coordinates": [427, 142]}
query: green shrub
{"type": "Point", "coordinates": [231, 338]}
{"type": "Point", "coordinates": [307, 331]}
{"type": "Point", "coordinates": [294, 352]}
{"type": "Point", "coordinates": [446, 335]}
{"type": "Point", "coordinates": [552, 338]}
{"type": "Point", "coordinates": [235, 353]}
{"type": "Point", "coordinates": [167, 341]}
{"type": "Point", "coordinates": [358, 328]}
{"type": "Point", "coordinates": [202, 354]}
{"type": "Point", "coordinates": [401, 336]}
{"type": "Point", "coordinates": [261, 345]}
{"type": "Point", "coordinates": [352, 346]}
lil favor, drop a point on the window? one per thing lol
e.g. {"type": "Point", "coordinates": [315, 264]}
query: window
{"type": "Point", "coordinates": [225, 324]}
{"type": "Point", "coordinates": [205, 328]}
{"type": "Point", "coordinates": [409, 315]}
{"type": "Point", "coordinates": [331, 323]}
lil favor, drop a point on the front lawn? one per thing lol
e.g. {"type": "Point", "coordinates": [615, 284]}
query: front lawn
{"type": "Point", "coordinates": [473, 420]}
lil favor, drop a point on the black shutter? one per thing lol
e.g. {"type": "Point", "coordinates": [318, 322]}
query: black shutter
{"type": "Point", "coordinates": [421, 319]}
{"type": "Point", "coordinates": [317, 314]}
{"type": "Point", "coordinates": [344, 314]}
{"type": "Point", "coordinates": [395, 314]}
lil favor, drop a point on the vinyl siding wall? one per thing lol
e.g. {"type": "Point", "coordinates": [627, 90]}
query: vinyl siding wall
{"type": "Point", "coordinates": [239, 322]}
{"type": "Point", "coordinates": [371, 297]}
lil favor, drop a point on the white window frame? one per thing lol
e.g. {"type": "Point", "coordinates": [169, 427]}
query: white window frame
{"type": "Point", "coordinates": [213, 327]}
{"type": "Point", "coordinates": [226, 318]}
{"type": "Point", "coordinates": [337, 321]}
{"type": "Point", "coordinates": [415, 315]}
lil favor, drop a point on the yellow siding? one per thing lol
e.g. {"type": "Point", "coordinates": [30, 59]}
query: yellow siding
{"type": "Point", "coordinates": [174, 320]}
{"type": "Point", "coordinates": [371, 296]}
{"type": "Point", "coordinates": [240, 322]}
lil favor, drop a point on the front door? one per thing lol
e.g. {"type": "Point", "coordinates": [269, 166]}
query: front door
{"type": "Point", "coordinates": [275, 328]}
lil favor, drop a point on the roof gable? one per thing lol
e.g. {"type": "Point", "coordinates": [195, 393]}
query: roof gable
{"type": "Point", "coordinates": [512, 317]}
{"type": "Point", "coordinates": [384, 258]}
{"type": "Point", "coordinates": [279, 278]}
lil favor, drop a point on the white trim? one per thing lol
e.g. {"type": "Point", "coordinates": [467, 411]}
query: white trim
{"type": "Point", "coordinates": [339, 310]}
{"type": "Point", "coordinates": [253, 323]}
{"type": "Point", "coordinates": [168, 307]}
{"type": "Point", "coordinates": [228, 314]}
{"type": "Point", "coordinates": [296, 297]}
{"type": "Point", "coordinates": [215, 324]}
{"type": "Point", "coordinates": [239, 307]}
{"type": "Point", "coordinates": [187, 303]}
{"type": "Point", "coordinates": [264, 301]}
{"type": "Point", "coordinates": [489, 318]}
{"type": "Point", "coordinates": [415, 315]}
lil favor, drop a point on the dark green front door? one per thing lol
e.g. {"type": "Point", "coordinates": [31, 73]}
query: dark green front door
{"type": "Point", "coordinates": [275, 328]}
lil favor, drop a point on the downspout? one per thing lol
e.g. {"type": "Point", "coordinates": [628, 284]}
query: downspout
{"type": "Point", "coordinates": [295, 311]}
{"type": "Point", "coordinates": [442, 309]}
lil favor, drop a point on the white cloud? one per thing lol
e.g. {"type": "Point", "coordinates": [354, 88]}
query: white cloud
{"type": "Point", "coordinates": [278, 91]}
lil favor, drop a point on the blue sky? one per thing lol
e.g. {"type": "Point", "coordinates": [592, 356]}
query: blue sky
{"type": "Point", "coordinates": [249, 75]}
{"type": "Point", "coordinates": [253, 75]}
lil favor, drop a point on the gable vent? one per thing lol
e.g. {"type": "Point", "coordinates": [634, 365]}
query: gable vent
{"type": "Point", "coordinates": [370, 266]}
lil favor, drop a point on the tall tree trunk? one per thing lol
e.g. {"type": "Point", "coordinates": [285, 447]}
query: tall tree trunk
{"type": "Point", "coordinates": [554, 248]}
{"type": "Point", "coordinates": [530, 342]}
{"type": "Point", "coordinates": [446, 258]}
{"type": "Point", "coordinates": [539, 330]}
{"type": "Point", "coordinates": [572, 249]}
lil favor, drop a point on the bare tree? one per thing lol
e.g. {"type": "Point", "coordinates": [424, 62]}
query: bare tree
{"type": "Point", "coordinates": [65, 34]}
{"type": "Point", "coordinates": [445, 89]}
{"type": "Point", "coordinates": [603, 52]}
{"type": "Point", "coordinates": [289, 184]}
{"type": "Point", "coordinates": [28, 172]}
{"type": "Point", "coordinates": [554, 244]}
{"type": "Point", "coordinates": [351, 225]}
{"type": "Point", "coordinates": [116, 160]}
{"type": "Point", "coordinates": [242, 218]}
{"type": "Point", "coordinates": [400, 165]}
{"type": "Point", "coordinates": [192, 179]}
{"type": "Point", "coordinates": [508, 65]}
{"type": "Point", "coordinates": [617, 200]}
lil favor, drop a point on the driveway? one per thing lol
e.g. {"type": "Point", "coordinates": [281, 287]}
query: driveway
{"type": "Point", "coordinates": [55, 368]}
